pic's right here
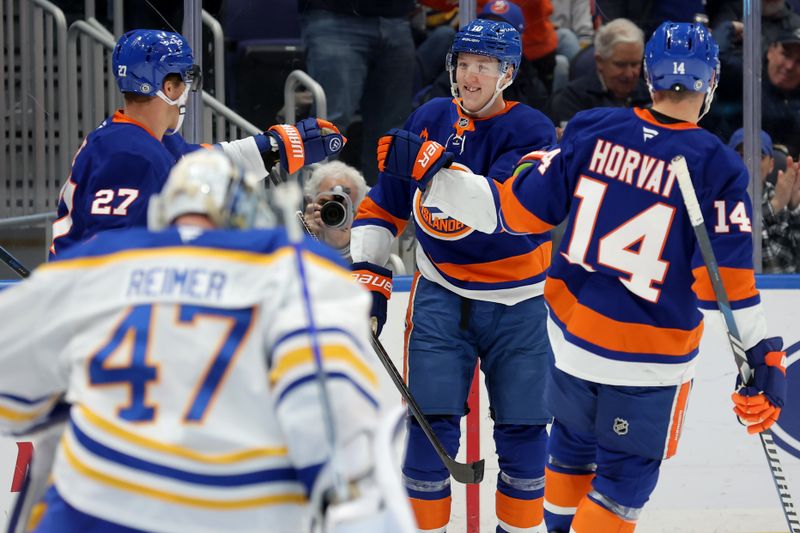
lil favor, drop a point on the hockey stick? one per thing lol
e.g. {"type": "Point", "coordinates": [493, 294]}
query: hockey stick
{"type": "Point", "coordinates": [461, 472]}
{"type": "Point", "coordinates": [288, 195]}
{"type": "Point", "coordinates": [746, 373]}
{"type": "Point", "coordinates": [12, 262]}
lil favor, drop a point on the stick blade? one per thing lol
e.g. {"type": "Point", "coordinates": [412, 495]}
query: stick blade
{"type": "Point", "coordinates": [466, 472]}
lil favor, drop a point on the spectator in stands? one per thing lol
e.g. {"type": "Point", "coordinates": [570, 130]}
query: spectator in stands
{"type": "Point", "coordinates": [573, 22]}
{"type": "Point", "coordinates": [539, 39]}
{"type": "Point", "coordinates": [362, 53]}
{"type": "Point", "coordinates": [777, 20]}
{"type": "Point", "coordinates": [617, 81]}
{"type": "Point", "coordinates": [341, 188]}
{"type": "Point", "coordinates": [649, 15]}
{"type": "Point", "coordinates": [780, 93]}
{"type": "Point", "coordinates": [780, 209]}
{"type": "Point", "coordinates": [777, 17]}
{"type": "Point", "coordinates": [441, 22]}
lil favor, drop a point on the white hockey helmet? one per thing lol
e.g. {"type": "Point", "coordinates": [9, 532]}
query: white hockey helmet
{"type": "Point", "coordinates": [209, 183]}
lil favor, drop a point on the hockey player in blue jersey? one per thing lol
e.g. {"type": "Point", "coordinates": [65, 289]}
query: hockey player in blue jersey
{"type": "Point", "coordinates": [626, 290]}
{"type": "Point", "coordinates": [187, 354]}
{"type": "Point", "coordinates": [476, 297]}
{"type": "Point", "coordinates": [127, 158]}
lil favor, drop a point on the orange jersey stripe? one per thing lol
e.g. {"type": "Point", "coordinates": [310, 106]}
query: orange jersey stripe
{"type": "Point", "coordinates": [519, 513]}
{"type": "Point", "coordinates": [611, 334]}
{"type": "Point", "coordinates": [121, 117]}
{"type": "Point", "coordinates": [513, 268]}
{"type": "Point", "coordinates": [431, 514]}
{"type": "Point", "coordinates": [739, 283]}
{"type": "Point", "coordinates": [369, 209]}
{"type": "Point", "coordinates": [516, 216]}
{"type": "Point", "coordinates": [647, 116]}
{"type": "Point", "coordinates": [566, 490]}
{"type": "Point", "coordinates": [676, 424]}
{"type": "Point", "coordinates": [594, 518]}
{"type": "Point", "coordinates": [409, 324]}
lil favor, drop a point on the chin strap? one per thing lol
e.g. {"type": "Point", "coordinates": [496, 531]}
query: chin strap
{"type": "Point", "coordinates": [181, 103]}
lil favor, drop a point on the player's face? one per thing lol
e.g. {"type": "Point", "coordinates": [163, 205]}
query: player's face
{"type": "Point", "coordinates": [783, 66]}
{"type": "Point", "coordinates": [476, 76]}
{"type": "Point", "coordinates": [620, 71]}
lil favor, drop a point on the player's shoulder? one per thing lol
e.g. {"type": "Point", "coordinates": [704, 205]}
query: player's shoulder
{"type": "Point", "coordinates": [600, 115]}
{"type": "Point", "coordinates": [432, 112]}
{"type": "Point", "coordinates": [255, 241]}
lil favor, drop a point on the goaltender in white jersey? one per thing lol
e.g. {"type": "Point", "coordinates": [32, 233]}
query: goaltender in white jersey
{"type": "Point", "coordinates": [189, 357]}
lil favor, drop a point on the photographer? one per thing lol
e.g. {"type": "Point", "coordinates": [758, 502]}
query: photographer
{"type": "Point", "coordinates": [332, 195]}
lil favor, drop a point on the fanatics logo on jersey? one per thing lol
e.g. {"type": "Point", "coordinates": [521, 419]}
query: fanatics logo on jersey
{"type": "Point", "coordinates": [649, 133]}
{"type": "Point", "coordinates": [620, 426]}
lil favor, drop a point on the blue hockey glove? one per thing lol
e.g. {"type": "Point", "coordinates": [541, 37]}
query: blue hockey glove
{"type": "Point", "coordinates": [309, 141]}
{"type": "Point", "coordinates": [404, 154]}
{"type": "Point", "coordinates": [759, 404]}
{"type": "Point", "coordinates": [378, 281]}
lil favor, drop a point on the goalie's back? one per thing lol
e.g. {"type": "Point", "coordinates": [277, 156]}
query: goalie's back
{"type": "Point", "coordinates": [188, 358]}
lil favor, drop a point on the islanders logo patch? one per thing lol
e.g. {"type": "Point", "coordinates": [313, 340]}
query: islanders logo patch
{"type": "Point", "coordinates": [435, 223]}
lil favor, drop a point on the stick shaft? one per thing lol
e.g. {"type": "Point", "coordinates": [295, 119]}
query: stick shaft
{"type": "Point", "coordinates": [701, 233]}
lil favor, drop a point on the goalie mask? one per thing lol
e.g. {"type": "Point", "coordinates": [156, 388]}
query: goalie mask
{"type": "Point", "coordinates": [209, 183]}
{"type": "Point", "coordinates": [143, 58]}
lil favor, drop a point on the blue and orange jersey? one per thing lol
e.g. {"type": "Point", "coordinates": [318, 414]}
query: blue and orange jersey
{"type": "Point", "coordinates": [504, 268]}
{"type": "Point", "coordinates": [625, 286]}
{"type": "Point", "coordinates": [114, 173]}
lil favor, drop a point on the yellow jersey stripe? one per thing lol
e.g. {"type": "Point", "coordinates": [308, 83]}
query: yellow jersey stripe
{"type": "Point", "coordinates": [150, 492]}
{"type": "Point", "coordinates": [330, 352]}
{"type": "Point", "coordinates": [171, 449]}
{"type": "Point", "coordinates": [238, 256]}
{"type": "Point", "coordinates": [24, 416]}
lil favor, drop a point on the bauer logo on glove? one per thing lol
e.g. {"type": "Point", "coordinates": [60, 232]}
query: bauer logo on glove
{"type": "Point", "coordinates": [408, 156]}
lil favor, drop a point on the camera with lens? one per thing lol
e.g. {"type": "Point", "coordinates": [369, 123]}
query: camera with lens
{"type": "Point", "coordinates": [336, 208]}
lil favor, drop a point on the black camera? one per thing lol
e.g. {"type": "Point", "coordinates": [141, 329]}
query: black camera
{"type": "Point", "coordinates": [336, 208]}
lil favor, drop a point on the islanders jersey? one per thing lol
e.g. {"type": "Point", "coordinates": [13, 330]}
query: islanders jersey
{"type": "Point", "coordinates": [189, 360]}
{"type": "Point", "coordinates": [114, 172]}
{"type": "Point", "coordinates": [501, 268]}
{"type": "Point", "coordinates": [625, 286]}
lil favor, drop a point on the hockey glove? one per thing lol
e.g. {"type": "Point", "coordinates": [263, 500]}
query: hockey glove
{"type": "Point", "coordinates": [309, 141]}
{"type": "Point", "coordinates": [759, 404]}
{"type": "Point", "coordinates": [378, 281]}
{"type": "Point", "coordinates": [404, 154]}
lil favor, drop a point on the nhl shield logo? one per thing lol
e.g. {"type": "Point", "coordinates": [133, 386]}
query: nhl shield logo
{"type": "Point", "coordinates": [463, 122]}
{"type": "Point", "coordinates": [620, 426]}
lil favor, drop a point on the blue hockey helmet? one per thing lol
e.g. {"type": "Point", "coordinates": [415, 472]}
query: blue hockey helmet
{"type": "Point", "coordinates": [488, 38]}
{"type": "Point", "coordinates": [682, 56]}
{"type": "Point", "coordinates": [143, 58]}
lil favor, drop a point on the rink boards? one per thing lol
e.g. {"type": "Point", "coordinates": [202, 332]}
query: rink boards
{"type": "Point", "coordinates": [719, 480]}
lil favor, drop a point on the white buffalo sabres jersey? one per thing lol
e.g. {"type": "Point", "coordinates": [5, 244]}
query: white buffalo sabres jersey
{"type": "Point", "coordinates": [190, 365]}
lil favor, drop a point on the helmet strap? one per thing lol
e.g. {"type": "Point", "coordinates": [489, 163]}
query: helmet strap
{"type": "Point", "coordinates": [180, 102]}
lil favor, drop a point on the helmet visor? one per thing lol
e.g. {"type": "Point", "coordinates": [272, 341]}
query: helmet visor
{"type": "Point", "coordinates": [193, 76]}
